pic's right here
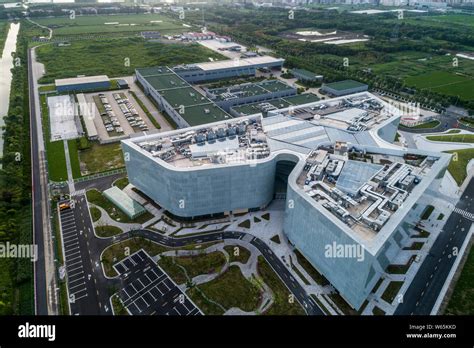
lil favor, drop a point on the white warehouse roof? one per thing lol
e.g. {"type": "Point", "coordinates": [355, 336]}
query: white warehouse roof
{"type": "Point", "coordinates": [80, 80]}
{"type": "Point", "coordinates": [231, 63]}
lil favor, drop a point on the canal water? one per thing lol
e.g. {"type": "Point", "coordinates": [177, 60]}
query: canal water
{"type": "Point", "coordinates": [6, 63]}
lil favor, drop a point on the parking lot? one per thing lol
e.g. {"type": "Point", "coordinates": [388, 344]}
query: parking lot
{"type": "Point", "coordinates": [148, 290]}
{"type": "Point", "coordinates": [76, 277]}
{"type": "Point", "coordinates": [118, 116]}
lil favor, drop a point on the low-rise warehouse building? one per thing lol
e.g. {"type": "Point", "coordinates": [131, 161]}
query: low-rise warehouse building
{"type": "Point", "coordinates": [273, 104]}
{"type": "Point", "coordinates": [223, 69]}
{"type": "Point", "coordinates": [88, 114]}
{"type": "Point", "coordinates": [345, 87]}
{"type": "Point", "coordinates": [184, 104]}
{"type": "Point", "coordinates": [82, 83]}
{"type": "Point", "coordinates": [245, 93]}
{"type": "Point", "coordinates": [306, 75]}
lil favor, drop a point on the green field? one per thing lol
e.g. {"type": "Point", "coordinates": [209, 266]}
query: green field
{"type": "Point", "coordinates": [457, 166]}
{"type": "Point", "coordinates": [457, 19]}
{"type": "Point", "coordinates": [462, 299]}
{"type": "Point", "coordinates": [54, 150]}
{"type": "Point", "coordinates": [281, 304]}
{"type": "Point", "coordinates": [65, 26]}
{"type": "Point", "coordinates": [457, 138]}
{"type": "Point", "coordinates": [100, 158]}
{"type": "Point", "coordinates": [4, 26]}
{"type": "Point", "coordinates": [111, 57]}
{"type": "Point", "coordinates": [230, 289]}
{"type": "Point", "coordinates": [445, 82]}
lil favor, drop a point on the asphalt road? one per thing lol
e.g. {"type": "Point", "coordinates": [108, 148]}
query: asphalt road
{"type": "Point", "coordinates": [300, 294]}
{"type": "Point", "coordinates": [82, 280]}
{"type": "Point", "coordinates": [40, 286]}
{"type": "Point", "coordinates": [424, 290]}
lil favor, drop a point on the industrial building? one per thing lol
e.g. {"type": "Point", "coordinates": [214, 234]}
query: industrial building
{"type": "Point", "coordinates": [306, 75]}
{"type": "Point", "coordinates": [245, 93]}
{"type": "Point", "coordinates": [346, 87]}
{"type": "Point", "coordinates": [88, 115]}
{"type": "Point", "coordinates": [184, 104]}
{"type": "Point", "coordinates": [224, 69]}
{"type": "Point", "coordinates": [273, 104]}
{"type": "Point", "coordinates": [82, 83]}
{"type": "Point", "coordinates": [347, 184]}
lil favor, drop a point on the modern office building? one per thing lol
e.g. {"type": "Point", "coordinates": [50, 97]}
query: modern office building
{"type": "Point", "coordinates": [346, 87]}
{"type": "Point", "coordinates": [346, 186]}
{"type": "Point", "coordinates": [224, 69]}
{"type": "Point", "coordinates": [246, 93]}
{"type": "Point", "coordinates": [83, 83]}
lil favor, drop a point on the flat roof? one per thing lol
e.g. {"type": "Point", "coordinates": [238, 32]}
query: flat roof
{"type": "Point", "coordinates": [249, 89]}
{"type": "Point", "coordinates": [278, 103]}
{"type": "Point", "coordinates": [192, 106]}
{"type": "Point", "coordinates": [343, 85]}
{"type": "Point", "coordinates": [80, 80]}
{"type": "Point", "coordinates": [155, 70]}
{"type": "Point", "coordinates": [206, 148]}
{"type": "Point", "coordinates": [203, 113]}
{"type": "Point", "coordinates": [306, 73]}
{"type": "Point", "coordinates": [87, 114]}
{"type": "Point", "coordinates": [166, 81]}
{"type": "Point", "coordinates": [62, 117]}
{"type": "Point", "coordinates": [231, 63]}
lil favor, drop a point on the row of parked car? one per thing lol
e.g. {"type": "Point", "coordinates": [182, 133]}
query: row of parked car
{"type": "Point", "coordinates": [109, 118]}
{"type": "Point", "coordinates": [130, 113]}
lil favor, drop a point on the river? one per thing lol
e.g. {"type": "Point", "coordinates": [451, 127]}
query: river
{"type": "Point", "coordinates": [6, 63]}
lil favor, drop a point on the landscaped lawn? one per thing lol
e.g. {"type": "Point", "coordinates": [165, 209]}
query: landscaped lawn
{"type": "Point", "coordinates": [118, 251]}
{"type": "Point", "coordinates": [462, 299]}
{"type": "Point", "coordinates": [391, 291]}
{"type": "Point", "coordinates": [458, 164]}
{"type": "Point", "coordinates": [281, 304]}
{"type": "Point", "coordinates": [107, 231]}
{"type": "Point", "coordinates": [431, 124]}
{"type": "Point", "coordinates": [231, 289]}
{"type": "Point", "coordinates": [457, 138]}
{"type": "Point", "coordinates": [121, 183]}
{"type": "Point", "coordinates": [95, 214]}
{"type": "Point", "coordinates": [243, 254]}
{"type": "Point", "coordinates": [57, 170]}
{"type": "Point", "coordinates": [427, 213]}
{"type": "Point", "coordinates": [75, 167]}
{"type": "Point", "coordinates": [97, 198]}
{"type": "Point", "coordinates": [317, 277]}
{"type": "Point", "coordinates": [99, 158]}
{"type": "Point", "coordinates": [194, 265]}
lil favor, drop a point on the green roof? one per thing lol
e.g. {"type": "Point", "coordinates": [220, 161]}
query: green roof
{"type": "Point", "coordinates": [251, 89]}
{"type": "Point", "coordinates": [156, 70]}
{"type": "Point", "coordinates": [343, 85]}
{"type": "Point", "coordinates": [202, 114]}
{"type": "Point", "coordinates": [198, 109]}
{"type": "Point", "coordinates": [302, 98]}
{"type": "Point", "coordinates": [166, 81]}
{"type": "Point", "coordinates": [308, 74]}
{"type": "Point", "coordinates": [186, 96]}
{"type": "Point", "coordinates": [280, 103]}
